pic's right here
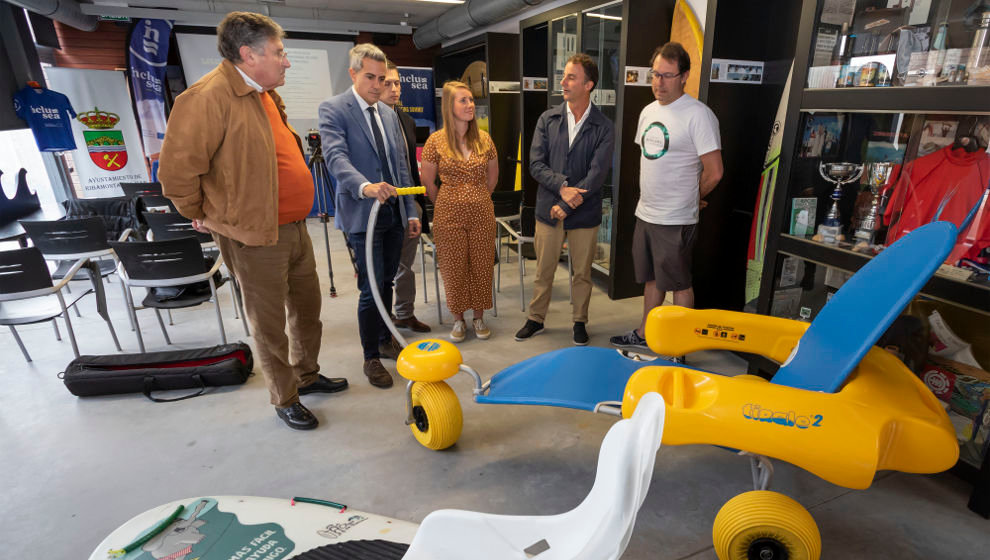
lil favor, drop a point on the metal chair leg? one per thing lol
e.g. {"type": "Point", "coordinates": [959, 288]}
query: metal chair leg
{"type": "Point", "coordinates": [20, 343]}
{"type": "Point", "coordinates": [239, 303]}
{"type": "Point", "coordinates": [132, 313]}
{"type": "Point", "coordinates": [161, 324]}
{"type": "Point", "coordinates": [498, 253]}
{"type": "Point", "coordinates": [68, 323]}
{"type": "Point", "coordinates": [113, 334]}
{"type": "Point", "coordinates": [169, 312]}
{"type": "Point", "coordinates": [422, 264]}
{"type": "Point", "coordinates": [76, 309]}
{"type": "Point", "coordinates": [127, 298]}
{"type": "Point", "coordinates": [522, 272]}
{"type": "Point", "coordinates": [58, 335]}
{"type": "Point", "coordinates": [216, 307]}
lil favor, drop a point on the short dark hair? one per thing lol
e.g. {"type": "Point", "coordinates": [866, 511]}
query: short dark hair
{"type": "Point", "coordinates": [245, 28]}
{"type": "Point", "coordinates": [389, 65]}
{"type": "Point", "coordinates": [673, 52]}
{"type": "Point", "coordinates": [590, 68]}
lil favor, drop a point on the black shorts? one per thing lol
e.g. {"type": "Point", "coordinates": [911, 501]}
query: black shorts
{"type": "Point", "coordinates": [663, 253]}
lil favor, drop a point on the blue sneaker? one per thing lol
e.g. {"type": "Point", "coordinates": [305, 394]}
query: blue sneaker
{"type": "Point", "coordinates": [630, 339]}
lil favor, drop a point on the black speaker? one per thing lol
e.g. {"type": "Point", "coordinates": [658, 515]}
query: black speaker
{"type": "Point", "coordinates": [385, 39]}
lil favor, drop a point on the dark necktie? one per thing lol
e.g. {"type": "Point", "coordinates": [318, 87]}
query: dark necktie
{"type": "Point", "coordinates": [380, 145]}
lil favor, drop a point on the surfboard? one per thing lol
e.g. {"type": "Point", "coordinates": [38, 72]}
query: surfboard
{"type": "Point", "coordinates": [764, 199]}
{"type": "Point", "coordinates": [686, 30]}
{"type": "Point", "coordinates": [253, 528]}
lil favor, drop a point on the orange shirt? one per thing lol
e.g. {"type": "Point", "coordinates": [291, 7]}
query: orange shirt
{"type": "Point", "coordinates": [295, 182]}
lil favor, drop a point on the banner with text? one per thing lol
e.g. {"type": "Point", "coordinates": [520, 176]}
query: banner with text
{"type": "Point", "coordinates": [105, 126]}
{"type": "Point", "coordinates": [147, 57]}
{"type": "Point", "coordinates": [417, 97]}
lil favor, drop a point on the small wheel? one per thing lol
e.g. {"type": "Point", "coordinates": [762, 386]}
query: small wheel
{"type": "Point", "coordinates": [437, 415]}
{"type": "Point", "coordinates": [764, 525]}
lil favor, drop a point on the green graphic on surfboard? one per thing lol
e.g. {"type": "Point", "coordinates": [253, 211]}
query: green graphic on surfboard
{"type": "Point", "coordinates": [203, 532]}
{"type": "Point", "coordinates": [764, 200]}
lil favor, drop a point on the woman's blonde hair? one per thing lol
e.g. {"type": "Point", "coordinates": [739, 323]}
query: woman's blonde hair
{"type": "Point", "coordinates": [472, 137]}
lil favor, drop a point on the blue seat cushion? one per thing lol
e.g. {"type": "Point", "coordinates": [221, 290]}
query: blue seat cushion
{"type": "Point", "coordinates": [578, 378]}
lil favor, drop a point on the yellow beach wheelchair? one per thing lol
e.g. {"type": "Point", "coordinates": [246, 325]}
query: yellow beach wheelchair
{"type": "Point", "coordinates": [838, 406]}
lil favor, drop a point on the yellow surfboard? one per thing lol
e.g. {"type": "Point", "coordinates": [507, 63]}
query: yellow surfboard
{"type": "Point", "coordinates": [686, 30]}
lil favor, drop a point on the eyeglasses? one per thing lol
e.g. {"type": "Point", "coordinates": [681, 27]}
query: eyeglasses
{"type": "Point", "coordinates": [666, 75]}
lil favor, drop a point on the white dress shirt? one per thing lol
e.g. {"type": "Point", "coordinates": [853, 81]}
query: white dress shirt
{"type": "Point", "coordinates": [574, 127]}
{"type": "Point", "coordinates": [381, 127]}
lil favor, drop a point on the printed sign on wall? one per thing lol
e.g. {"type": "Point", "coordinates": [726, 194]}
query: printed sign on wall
{"type": "Point", "coordinates": [105, 125]}
{"type": "Point", "coordinates": [417, 95]}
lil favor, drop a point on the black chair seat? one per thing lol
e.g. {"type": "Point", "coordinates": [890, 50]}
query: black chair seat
{"type": "Point", "coordinates": [107, 267]}
{"type": "Point", "coordinates": [37, 310]}
{"type": "Point", "coordinates": [180, 302]}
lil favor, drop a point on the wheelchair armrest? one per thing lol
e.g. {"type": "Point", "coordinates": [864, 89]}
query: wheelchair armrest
{"type": "Point", "coordinates": [675, 331]}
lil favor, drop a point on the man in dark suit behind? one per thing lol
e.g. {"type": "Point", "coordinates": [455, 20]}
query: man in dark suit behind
{"type": "Point", "coordinates": [364, 148]}
{"type": "Point", "coordinates": [405, 278]}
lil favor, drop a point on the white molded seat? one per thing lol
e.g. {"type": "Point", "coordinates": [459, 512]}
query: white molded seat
{"type": "Point", "coordinates": [597, 529]}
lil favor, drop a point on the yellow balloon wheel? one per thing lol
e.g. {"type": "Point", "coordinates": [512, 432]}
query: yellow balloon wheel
{"type": "Point", "coordinates": [437, 415]}
{"type": "Point", "coordinates": [764, 525]}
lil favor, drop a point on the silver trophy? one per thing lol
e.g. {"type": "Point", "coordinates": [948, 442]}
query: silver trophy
{"type": "Point", "coordinates": [879, 175]}
{"type": "Point", "coordinates": [841, 173]}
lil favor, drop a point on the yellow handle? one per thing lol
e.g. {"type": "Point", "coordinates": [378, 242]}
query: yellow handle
{"type": "Point", "coordinates": [410, 190]}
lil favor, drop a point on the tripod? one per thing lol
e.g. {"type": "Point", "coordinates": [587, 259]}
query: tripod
{"type": "Point", "coordinates": [324, 201]}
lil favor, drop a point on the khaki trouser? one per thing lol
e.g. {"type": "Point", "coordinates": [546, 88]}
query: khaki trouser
{"type": "Point", "coordinates": [548, 242]}
{"type": "Point", "coordinates": [280, 285]}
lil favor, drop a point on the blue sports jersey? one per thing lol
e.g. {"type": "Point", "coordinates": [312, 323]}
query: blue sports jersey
{"type": "Point", "coordinates": [49, 114]}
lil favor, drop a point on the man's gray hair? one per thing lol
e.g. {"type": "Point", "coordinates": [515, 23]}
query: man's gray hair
{"type": "Point", "coordinates": [363, 51]}
{"type": "Point", "coordinates": [245, 28]}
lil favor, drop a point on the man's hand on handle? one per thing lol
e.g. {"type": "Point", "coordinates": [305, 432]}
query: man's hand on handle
{"type": "Point", "coordinates": [415, 227]}
{"type": "Point", "coordinates": [382, 191]}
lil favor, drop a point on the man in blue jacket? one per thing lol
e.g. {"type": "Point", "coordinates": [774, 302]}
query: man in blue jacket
{"type": "Point", "coordinates": [570, 156]}
{"type": "Point", "coordinates": [364, 148]}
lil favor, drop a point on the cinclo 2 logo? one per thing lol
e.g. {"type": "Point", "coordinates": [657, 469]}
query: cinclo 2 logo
{"type": "Point", "coordinates": [788, 418]}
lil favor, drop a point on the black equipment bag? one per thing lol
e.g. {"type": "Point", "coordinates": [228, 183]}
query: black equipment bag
{"type": "Point", "coordinates": [226, 364]}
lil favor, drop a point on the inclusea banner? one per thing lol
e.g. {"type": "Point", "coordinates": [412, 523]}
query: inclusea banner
{"type": "Point", "coordinates": [417, 96]}
{"type": "Point", "coordinates": [104, 126]}
{"type": "Point", "coordinates": [147, 57]}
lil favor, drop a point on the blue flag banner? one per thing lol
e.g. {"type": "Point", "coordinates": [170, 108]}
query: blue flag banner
{"type": "Point", "coordinates": [417, 96]}
{"type": "Point", "coordinates": [148, 55]}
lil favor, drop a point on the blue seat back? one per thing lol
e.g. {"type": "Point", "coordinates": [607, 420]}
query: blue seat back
{"type": "Point", "coordinates": [860, 312]}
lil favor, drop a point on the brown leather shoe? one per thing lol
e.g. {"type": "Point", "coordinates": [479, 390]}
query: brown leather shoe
{"type": "Point", "coordinates": [390, 349]}
{"type": "Point", "coordinates": [413, 324]}
{"type": "Point", "coordinates": [377, 374]}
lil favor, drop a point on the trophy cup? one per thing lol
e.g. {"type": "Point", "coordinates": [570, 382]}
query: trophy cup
{"type": "Point", "coordinates": [841, 173]}
{"type": "Point", "coordinates": [879, 174]}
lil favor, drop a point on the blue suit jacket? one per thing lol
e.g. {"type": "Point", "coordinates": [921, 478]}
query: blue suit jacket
{"type": "Point", "coordinates": [349, 150]}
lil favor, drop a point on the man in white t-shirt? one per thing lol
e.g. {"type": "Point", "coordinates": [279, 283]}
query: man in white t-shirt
{"type": "Point", "coordinates": [680, 163]}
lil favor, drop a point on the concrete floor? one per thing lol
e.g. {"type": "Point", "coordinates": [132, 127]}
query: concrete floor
{"type": "Point", "coordinates": [75, 469]}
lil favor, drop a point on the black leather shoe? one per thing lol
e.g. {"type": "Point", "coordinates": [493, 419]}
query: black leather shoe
{"type": "Point", "coordinates": [297, 417]}
{"type": "Point", "coordinates": [390, 349]}
{"type": "Point", "coordinates": [377, 374]}
{"type": "Point", "coordinates": [580, 334]}
{"type": "Point", "coordinates": [324, 384]}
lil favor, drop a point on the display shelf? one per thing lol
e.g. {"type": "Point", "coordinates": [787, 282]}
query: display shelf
{"type": "Point", "coordinates": [945, 99]}
{"type": "Point", "coordinates": [964, 294]}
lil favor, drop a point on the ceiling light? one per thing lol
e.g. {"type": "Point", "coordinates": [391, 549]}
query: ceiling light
{"type": "Point", "coordinates": [444, 1]}
{"type": "Point", "coordinates": [603, 16]}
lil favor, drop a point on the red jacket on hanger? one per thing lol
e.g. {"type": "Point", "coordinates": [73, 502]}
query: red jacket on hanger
{"type": "Point", "coordinates": [925, 182]}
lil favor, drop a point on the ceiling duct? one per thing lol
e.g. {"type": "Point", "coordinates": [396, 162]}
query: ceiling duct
{"type": "Point", "coordinates": [63, 11]}
{"type": "Point", "coordinates": [466, 17]}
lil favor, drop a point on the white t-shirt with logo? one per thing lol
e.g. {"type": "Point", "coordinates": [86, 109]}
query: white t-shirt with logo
{"type": "Point", "coordinates": [671, 139]}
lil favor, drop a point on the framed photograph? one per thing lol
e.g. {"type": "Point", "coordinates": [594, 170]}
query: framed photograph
{"type": "Point", "coordinates": [803, 216]}
{"type": "Point", "coordinates": [936, 135]}
{"type": "Point", "coordinates": [821, 135]}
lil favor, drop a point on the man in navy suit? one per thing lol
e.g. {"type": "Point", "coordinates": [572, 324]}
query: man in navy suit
{"type": "Point", "coordinates": [362, 144]}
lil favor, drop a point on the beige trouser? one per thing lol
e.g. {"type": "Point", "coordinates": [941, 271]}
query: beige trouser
{"type": "Point", "coordinates": [280, 285]}
{"type": "Point", "coordinates": [548, 242]}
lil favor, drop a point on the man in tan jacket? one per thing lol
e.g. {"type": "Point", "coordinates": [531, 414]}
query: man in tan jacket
{"type": "Point", "coordinates": [232, 164]}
